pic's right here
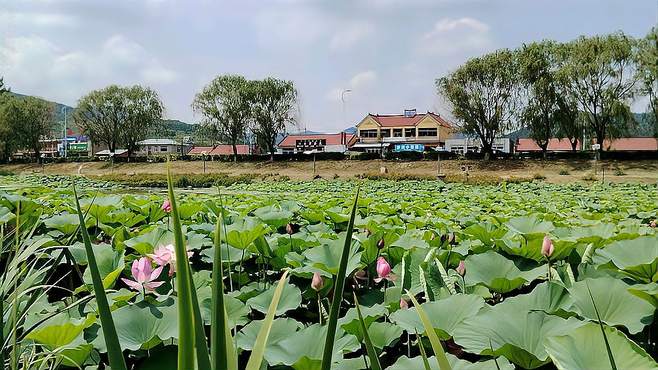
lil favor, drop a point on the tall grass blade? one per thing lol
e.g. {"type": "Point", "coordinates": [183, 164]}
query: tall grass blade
{"type": "Point", "coordinates": [200, 342]}
{"type": "Point", "coordinates": [338, 290]}
{"type": "Point", "coordinates": [421, 348]}
{"type": "Point", "coordinates": [186, 326]}
{"type": "Point", "coordinates": [611, 358]}
{"type": "Point", "coordinates": [372, 353]}
{"type": "Point", "coordinates": [256, 357]}
{"type": "Point", "coordinates": [114, 353]}
{"type": "Point", "coordinates": [439, 353]}
{"type": "Point", "coordinates": [218, 326]}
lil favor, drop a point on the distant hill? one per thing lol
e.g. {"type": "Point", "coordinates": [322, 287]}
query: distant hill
{"type": "Point", "coordinates": [173, 128]}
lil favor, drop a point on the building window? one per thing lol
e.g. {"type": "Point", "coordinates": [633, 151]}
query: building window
{"type": "Point", "coordinates": [410, 132]}
{"type": "Point", "coordinates": [163, 148]}
{"type": "Point", "coordinates": [368, 133]}
{"type": "Point", "coordinates": [397, 132]}
{"type": "Point", "coordinates": [427, 132]}
{"type": "Point", "coordinates": [386, 133]}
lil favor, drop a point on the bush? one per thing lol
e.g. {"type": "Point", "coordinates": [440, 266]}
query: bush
{"type": "Point", "coordinates": [564, 172]}
{"type": "Point", "coordinates": [538, 176]}
{"type": "Point", "coordinates": [619, 172]}
{"type": "Point", "coordinates": [181, 181]}
{"type": "Point", "coordinates": [589, 177]}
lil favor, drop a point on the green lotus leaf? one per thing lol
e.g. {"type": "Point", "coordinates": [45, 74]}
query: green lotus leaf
{"type": "Point", "coordinates": [637, 257]}
{"type": "Point", "coordinates": [648, 292]}
{"type": "Point", "coordinates": [514, 329]}
{"type": "Point", "coordinates": [615, 304]}
{"type": "Point", "coordinates": [291, 298]}
{"type": "Point", "coordinates": [274, 216]}
{"type": "Point", "coordinates": [383, 334]}
{"type": "Point", "coordinates": [6, 215]}
{"type": "Point", "coordinates": [584, 349]}
{"type": "Point", "coordinates": [327, 256]}
{"type": "Point", "coordinates": [529, 225]}
{"type": "Point", "coordinates": [350, 321]}
{"type": "Point", "coordinates": [486, 232]}
{"type": "Point", "coordinates": [498, 273]}
{"type": "Point", "coordinates": [145, 243]}
{"type": "Point", "coordinates": [281, 329]}
{"type": "Point", "coordinates": [143, 325]}
{"type": "Point", "coordinates": [411, 239]}
{"type": "Point", "coordinates": [110, 265]}
{"type": "Point", "coordinates": [445, 314]}
{"type": "Point", "coordinates": [67, 223]}
{"type": "Point", "coordinates": [303, 349]}
{"type": "Point", "coordinates": [406, 363]}
{"type": "Point", "coordinates": [244, 232]}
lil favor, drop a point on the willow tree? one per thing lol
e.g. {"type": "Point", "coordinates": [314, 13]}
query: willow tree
{"type": "Point", "coordinates": [273, 109]}
{"type": "Point", "coordinates": [225, 104]}
{"type": "Point", "coordinates": [484, 96]}
{"type": "Point", "coordinates": [599, 73]}
{"type": "Point", "coordinates": [26, 120]}
{"type": "Point", "coordinates": [550, 110]}
{"type": "Point", "coordinates": [647, 58]}
{"type": "Point", "coordinates": [117, 115]}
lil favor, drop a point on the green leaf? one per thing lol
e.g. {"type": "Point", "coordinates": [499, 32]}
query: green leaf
{"type": "Point", "coordinates": [291, 298]}
{"type": "Point", "coordinates": [339, 285]}
{"type": "Point", "coordinates": [498, 273]}
{"type": "Point", "coordinates": [258, 351]}
{"type": "Point", "coordinates": [405, 363]}
{"type": "Point", "coordinates": [440, 354]}
{"type": "Point", "coordinates": [370, 349]}
{"type": "Point", "coordinates": [636, 257]}
{"type": "Point", "coordinates": [115, 354]}
{"type": "Point", "coordinates": [591, 351]}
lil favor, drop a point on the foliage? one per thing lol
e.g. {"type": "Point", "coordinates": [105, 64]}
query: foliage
{"type": "Point", "coordinates": [647, 60]}
{"type": "Point", "coordinates": [24, 121]}
{"type": "Point", "coordinates": [484, 95]}
{"type": "Point", "coordinates": [119, 116]}
{"type": "Point", "coordinates": [273, 109]}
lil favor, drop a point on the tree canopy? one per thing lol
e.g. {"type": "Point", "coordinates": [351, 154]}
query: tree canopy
{"type": "Point", "coordinates": [274, 108]}
{"type": "Point", "coordinates": [117, 115]}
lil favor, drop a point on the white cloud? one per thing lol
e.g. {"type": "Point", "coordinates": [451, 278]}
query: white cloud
{"type": "Point", "coordinates": [351, 35]}
{"type": "Point", "coordinates": [38, 66]}
{"type": "Point", "coordinates": [454, 37]}
{"type": "Point", "coordinates": [36, 19]}
{"type": "Point", "coordinates": [358, 85]}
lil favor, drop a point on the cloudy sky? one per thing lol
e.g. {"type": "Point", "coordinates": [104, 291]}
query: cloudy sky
{"type": "Point", "coordinates": [388, 52]}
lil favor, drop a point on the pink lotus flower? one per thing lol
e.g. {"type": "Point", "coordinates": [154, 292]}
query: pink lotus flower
{"type": "Point", "coordinates": [547, 247]}
{"type": "Point", "coordinates": [166, 255]}
{"type": "Point", "coordinates": [461, 269]}
{"type": "Point", "coordinates": [652, 223]}
{"type": "Point", "coordinates": [144, 276]}
{"type": "Point", "coordinates": [403, 304]}
{"type": "Point", "coordinates": [383, 270]}
{"type": "Point", "coordinates": [166, 206]}
{"type": "Point", "coordinates": [317, 283]}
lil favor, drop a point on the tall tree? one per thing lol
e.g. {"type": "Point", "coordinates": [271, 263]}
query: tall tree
{"type": "Point", "coordinates": [484, 95]}
{"type": "Point", "coordinates": [647, 60]}
{"type": "Point", "coordinates": [273, 109]}
{"type": "Point", "coordinates": [6, 138]}
{"type": "Point", "coordinates": [117, 115]}
{"type": "Point", "coordinates": [549, 110]}
{"type": "Point", "coordinates": [144, 111]}
{"type": "Point", "coordinates": [29, 120]}
{"type": "Point", "coordinates": [3, 88]}
{"type": "Point", "coordinates": [598, 72]}
{"type": "Point", "coordinates": [225, 104]}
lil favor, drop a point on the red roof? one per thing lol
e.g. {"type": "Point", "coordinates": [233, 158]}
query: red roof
{"type": "Point", "coordinates": [631, 144]}
{"type": "Point", "coordinates": [341, 138]}
{"type": "Point", "coordinates": [398, 120]}
{"type": "Point", "coordinates": [554, 145]}
{"type": "Point", "coordinates": [222, 149]}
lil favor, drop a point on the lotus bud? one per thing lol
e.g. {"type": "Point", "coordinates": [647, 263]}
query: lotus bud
{"type": "Point", "coordinates": [451, 238]}
{"type": "Point", "coordinates": [383, 268]}
{"type": "Point", "coordinates": [380, 244]}
{"type": "Point", "coordinates": [166, 206]}
{"type": "Point", "coordinates": [317, 283]}
{"type": "Point", "coordinates": [290, 229]}
{"type": "Point", "coordinates": [547, 247]}
{"type": "Point", "coordinates": [461, 269]}
{"type": "Point", "coordinates": [652, 223]}
{"type": "Point", "coordinates": [361, 275]}
{"type": "Point", "coordinates": [403, 304]}
{"type": "Point", "coordinates": [368, 232]}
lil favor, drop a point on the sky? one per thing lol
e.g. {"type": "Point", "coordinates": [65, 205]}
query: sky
{"type": "Point", "coordinates": [387, 52]}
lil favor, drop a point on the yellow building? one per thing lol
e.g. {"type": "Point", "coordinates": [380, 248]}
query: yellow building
{"type": "Point", "coordinates": [382, 132]}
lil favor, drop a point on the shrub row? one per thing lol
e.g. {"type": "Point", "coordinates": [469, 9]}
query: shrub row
{"type": "Point", "coordinates": [181, 181]}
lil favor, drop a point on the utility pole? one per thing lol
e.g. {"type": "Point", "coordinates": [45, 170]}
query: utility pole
{"type": "Point", "coordinates": [65, 143]}
{"type": "Point", "coordinates": [342, 99]}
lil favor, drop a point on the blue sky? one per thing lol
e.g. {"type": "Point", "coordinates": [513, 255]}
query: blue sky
{"type": "Point", "coordinates": [388, 52]}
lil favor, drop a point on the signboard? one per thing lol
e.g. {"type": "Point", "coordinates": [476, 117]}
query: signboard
{"type": "Point", "coordinates": [596, 146]}
{"type": "Point", "coordinates": [78, 147]}
{"type": "Point", "coordinates": [409, 148]}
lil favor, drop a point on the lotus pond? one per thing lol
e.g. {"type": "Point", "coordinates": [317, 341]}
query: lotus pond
{"type": "Point", "coordinates": [524, 276]}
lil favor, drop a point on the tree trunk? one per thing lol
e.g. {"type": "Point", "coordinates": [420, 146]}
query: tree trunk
{"type": "Point", "coordinates": [235, 152]}
{"type": "Point", "coordinates": [574, 144]}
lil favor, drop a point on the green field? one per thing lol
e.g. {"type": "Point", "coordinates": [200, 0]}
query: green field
{"type": "Point", "coordinates": [473, 257]}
